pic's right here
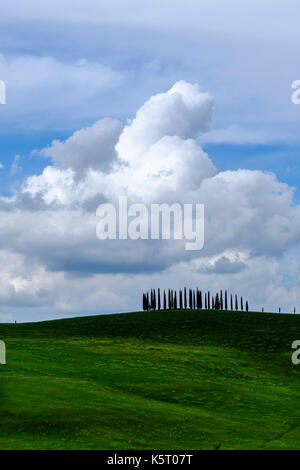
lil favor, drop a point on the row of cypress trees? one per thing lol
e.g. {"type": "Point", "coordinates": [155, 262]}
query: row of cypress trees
{"type": "Point", "coordinates": [193, 299]}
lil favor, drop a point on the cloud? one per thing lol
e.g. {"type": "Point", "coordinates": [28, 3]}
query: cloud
{"type": "Point", "coordinates": [224, 265]}
{"type": "Point", "coordinates": [161, 15]}
{"type": "Point", "coordinates": [163, 162]}
{"type": "Point", "coordinates": [236, 134]}
{"type": "Point", "coordinates": [93, 147]}
{"type": "Point", "coordinates": [184, 111]}
{"type": "Point", "coordinates": [112, 60]}
{"type": "Point", "coordinates": [54, 260]}
{"type": "Point", "coordinates": [45, 92]}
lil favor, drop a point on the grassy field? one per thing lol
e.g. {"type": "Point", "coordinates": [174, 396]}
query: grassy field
{"type": "Point", "coordinates": [161, 380]}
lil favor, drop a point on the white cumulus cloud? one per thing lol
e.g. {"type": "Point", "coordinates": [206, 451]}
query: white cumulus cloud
{"type": "Point", "coordinates": [252, 224]}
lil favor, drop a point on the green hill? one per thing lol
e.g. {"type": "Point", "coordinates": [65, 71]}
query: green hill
{"type": "Point", "coordinates": [161, 380]}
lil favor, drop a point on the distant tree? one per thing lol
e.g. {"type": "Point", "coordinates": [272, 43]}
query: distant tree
{"type": "Point", "coordinates": [180, 299]}
{"type": "Point", "coordinates": [279, 310]}
{"type": "Point", "coordinates": [294, 309]}
{"type": "Point", "coordinates": [175, 300]}
{"type": "Point", "coordinates": [190, 298]}
{"type": "Point", "coordinates": [216, 301]}
{"type": "Point", "coordinates": [152, 300]}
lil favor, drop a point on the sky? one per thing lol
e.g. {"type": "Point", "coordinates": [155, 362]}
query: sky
{"type": "Point", "coordinates": [165, 101]}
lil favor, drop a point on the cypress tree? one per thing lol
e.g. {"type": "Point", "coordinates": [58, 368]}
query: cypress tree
{"type": "Point", "coordinates": [190, 299]}
{"type": "Point", "coordinates": [180, 299]}
{"type": "Point", "coordinates": [169, 299]}
{"type": "Point", "coordinates": [242, 305]}
{"type": "Point", "coordinates": [165, 301]}
{"type": "Point", "coordinates": [279, 310]}
{"type": "Point", "coordinates": [217, 302]}
{"type": "Point", "coordinates": [148, 304]}
{"type": "Point", "coordinates": [208, 300]}
{"type": "Point", "coordinates": [221, 300]}
{"type": "Point", "coordinates": [175, 300]}
{"type": "Point", "coordinates": [236, 303]}
{"type": "Point", "coordinates": [185, 299]}
{"type": "Point", "coordinates": [154, 299]}
{"type": "Point", "coordinates": [231, 302]}
{"type": "Point", "coordinates": [247, 306]}
{"type": "Point", "coordinates": [262, 309]}
{"type": "Point", "coordinates": [194, 299]}
{"type": "Point", "coordinates": [158, 298]}
{"type": "Point", "coordinates": [294, 309]}
{"type": "Point", "coordinates": [226, 303]}
{"type": "Point", "coordinates": [200, 299]}
{"type": "Point", "coordinates": [213, 303]}
{"type": "Point", "coordinates": [205, 301]}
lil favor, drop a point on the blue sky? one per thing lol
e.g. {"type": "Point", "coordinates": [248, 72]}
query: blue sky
{"type": "Point", "coordinates": [69, 64]}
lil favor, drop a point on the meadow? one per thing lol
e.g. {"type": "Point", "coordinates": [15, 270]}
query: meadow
{"type": "Point", "coordinates": [180, 379]}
